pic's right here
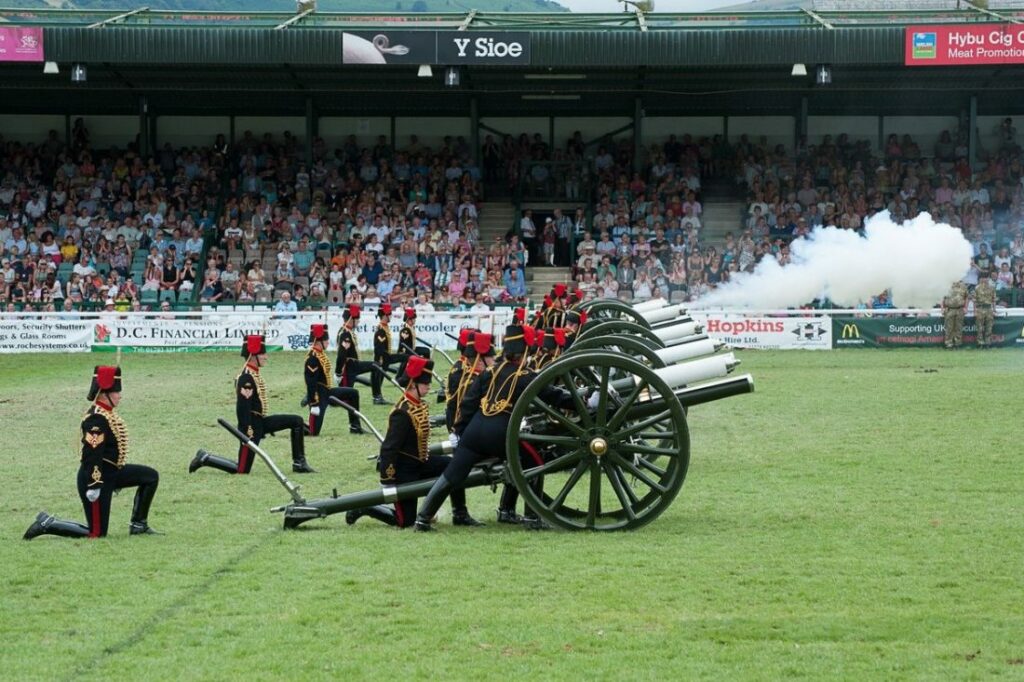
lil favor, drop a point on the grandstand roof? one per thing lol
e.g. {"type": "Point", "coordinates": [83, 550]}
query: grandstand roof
{"type": "Point", "coordinates": [590, 64]}
{"type": "Point", "coordinates": [559, 39]}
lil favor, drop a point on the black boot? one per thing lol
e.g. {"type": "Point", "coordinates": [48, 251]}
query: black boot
{"type": "Point", "coordinates": [509, 516]}
{"type": "Point", "coordinates": [140, 509]}
{"type": "Point", "coordinates": [379, 400]}
{"type": "Point", "coordinates": [51, 525]}
{"type": "Point", "coordinates": [431, 503]}
{"type": "Point", "coordinates": [461, 517]}
{"type": "Point", "coordinates": [507, 505]}
{"type": "Point", "coordinates": [531, 521]}
{"type": "Point", "coordinates": [299, 463]}
{"type": "Point", "coordinates": [380, 512]}
{"type": "Point", "coordinates": [356, 429]}
{"type": "Point", "coordinates": [205, 459]}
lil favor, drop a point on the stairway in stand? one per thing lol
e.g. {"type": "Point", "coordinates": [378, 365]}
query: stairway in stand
{"type": "Point", "coordinates": [541, 279]}
{"type": "Point", "coordinates": [496, 218]}
{"type": "Point", "coordinates": [724, 209]}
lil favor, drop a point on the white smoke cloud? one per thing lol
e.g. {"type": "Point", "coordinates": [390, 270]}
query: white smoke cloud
{"type": "Point", "coordinates": [917, 261]}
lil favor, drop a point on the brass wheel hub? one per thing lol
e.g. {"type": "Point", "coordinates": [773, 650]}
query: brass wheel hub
{"type": "Point", "coordinates": [598, 446]}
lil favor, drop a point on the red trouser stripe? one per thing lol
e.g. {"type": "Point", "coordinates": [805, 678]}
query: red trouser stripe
{"type": "Point", "coordinates": [398, 515]}
{"type": "Point", "coordinates": [530, 450]}
{"type": "Point", "coordinates": [94, 532]}
{"type": "Point", "coordinates": [243, 459]}
{"type": "Point", "coordinates": [312, 424]}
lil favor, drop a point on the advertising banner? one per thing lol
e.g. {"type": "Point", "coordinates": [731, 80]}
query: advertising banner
{"type": "Point", "coordinates": [768, 333]}
{"type": "Point", "coordinates": [21, 44]}
{"type": "Point", "coordinates": [449, 48]}
{"type": "Point", "coordinates": [217, 332]}
{"type": "Point", "coordinates": [918, 332]}
{"type": "Point", "coordinates": [964, 44]}
{"type": "Point", "coordinates": [52, 335]}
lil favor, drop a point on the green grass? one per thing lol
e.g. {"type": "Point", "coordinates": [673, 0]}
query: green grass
{"type": "Point", "coordinates": [857, 517]}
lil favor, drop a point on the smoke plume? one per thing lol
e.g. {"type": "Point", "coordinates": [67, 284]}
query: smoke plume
{"type": "Point", "coordinates": [917, 261]}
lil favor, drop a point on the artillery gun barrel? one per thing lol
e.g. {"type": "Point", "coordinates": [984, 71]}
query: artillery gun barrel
{"type": "Point", "coordinates": [669, 312]}
{"type": "Point", "coordinates": [677, 331]}
{"type": "Point", "coordinates": [686, 373]}
{"type": "Point", "coordinates": [695, 395]}
{"type": "Point", "coordinates": [648, 306]}
{"type": "Point", "coordinates": [295, 514]}
{"type": "Point", "coordinates": [688, 351]}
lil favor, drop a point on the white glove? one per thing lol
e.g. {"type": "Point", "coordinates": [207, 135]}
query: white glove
{"type": "Point", "coordinates": [92, 494]}
{"type": "Point", "coordinates": [592, 400]}
{"type": "Point", "coordinates": [315, 411]}
{"type": "Point", "coordinates": [454, 439]}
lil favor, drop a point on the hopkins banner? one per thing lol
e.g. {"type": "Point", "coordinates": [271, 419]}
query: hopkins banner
{"type": "Point", "coordinates": [768, 333]}
{"type": "Point", "coordinates": [21, 44]}
{"type": "Point", "coordinates": [918, 332]}
{"type": "Point", "coordinates": [964, 44]}
{"type": "Point", "coordinates": [448, 48]}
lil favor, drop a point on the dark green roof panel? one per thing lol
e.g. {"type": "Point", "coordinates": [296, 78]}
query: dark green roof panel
{"type": "Point", "coordinates": [714, 47]}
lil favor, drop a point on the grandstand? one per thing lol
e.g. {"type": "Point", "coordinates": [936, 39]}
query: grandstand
{"type": "Point", "coordinates": [212, 158]}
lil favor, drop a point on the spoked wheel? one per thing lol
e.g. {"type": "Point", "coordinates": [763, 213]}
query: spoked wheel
{"type": "Point", "coordinates": [618, 327]}
{"type": "Point", "coordinates": [604, 309]}
{"type": "Point", "coordinates": [613, 461]}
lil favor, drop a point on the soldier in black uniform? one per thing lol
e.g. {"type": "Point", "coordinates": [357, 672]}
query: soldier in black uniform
{"type": "Point", "coordinates": [404, 455]}
{"type": "Point", "coordinates": [251, 408]}
{"type": "Point", "coordinates": [574, 320]}
{"type": "Point", "coordinates": [317, 373]}
{"type": "Point", "coordinates": [455, 374]}
{"type": "Point", "coordinates": [407, 335]}
{"type": "Point", "coordinates": [484, 414]}
{"type": "Point", "coordinates": [349, 366]}
{"type": "Point", "coordinates": [554, 316]}
{"type": "Point", "coordinates": [382, 354]}
{"type": "Point", "coordinates": [479, 356]}
{"type": "Point", "coordinates": [103, 469]}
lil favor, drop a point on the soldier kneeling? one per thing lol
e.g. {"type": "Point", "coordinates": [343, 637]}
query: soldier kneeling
{"type": "Point", "coordinates": [104, 470]}
{"type": "Point", "coordinates": [405, 456]}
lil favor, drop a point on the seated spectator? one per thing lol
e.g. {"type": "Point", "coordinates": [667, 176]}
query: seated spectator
{"type": "Point", "coordinates": [170, 276]}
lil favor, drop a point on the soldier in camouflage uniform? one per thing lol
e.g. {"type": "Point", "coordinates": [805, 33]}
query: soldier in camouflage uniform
{"type": "Point", "coordinates": [984, 305]}
{"type": "Point", "coordinates": [953, 306]}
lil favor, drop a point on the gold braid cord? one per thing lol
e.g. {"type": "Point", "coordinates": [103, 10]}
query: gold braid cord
{"type": "Point", "coordinates": [324, 361]}
{"type": "Point", "coordinates": [120, 431]}
{"type": "Point", "coordinates": [419, 415]}
{"type": "Point", "coordinates": [498, 399]}
{"type": "Point", "coordinates": [387, 334]}
{"type": "Point", "coordinates": [468, 375]}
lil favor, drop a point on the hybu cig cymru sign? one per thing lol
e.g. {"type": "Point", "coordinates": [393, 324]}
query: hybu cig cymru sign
{"type": "Point", "coordinates": [964, 45]}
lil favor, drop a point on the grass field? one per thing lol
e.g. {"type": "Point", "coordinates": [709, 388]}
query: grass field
{"type": "Point", "coordinates": [860, 516]}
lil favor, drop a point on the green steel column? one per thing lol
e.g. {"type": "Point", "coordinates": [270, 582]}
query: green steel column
{"type": "Point", "coordinates": [474, 129]}
{"type": "Point", "coordinates": [972, 139]}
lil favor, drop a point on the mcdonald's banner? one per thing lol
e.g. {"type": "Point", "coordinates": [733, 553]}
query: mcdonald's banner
{"type": "Point", "coordinates": [917, 332]}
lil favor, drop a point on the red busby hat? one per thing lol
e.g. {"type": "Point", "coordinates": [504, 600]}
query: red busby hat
{"type": "Point", "coordinates": [538, 339]}
{"type": "Point", "coordinates": [576, 296]}
{"type": "Point", "coordinates": [559, 336]}
{"type": "Point", "coordinates": [409, 314]}
{"type": "Point", "coordinates": [466, 335]}
{"type": "Point", "coordinates": [577, 317]}
{"type": "Point", "coordinates": [559, 290]}
{"type": "Point", "coordinates": [351, 313]}
{"type": "Point", "coordinates": [529, 335]}
{"type": "Point", "coordinates": [483, 344]}
{"type": "Point", "coordinates": [384, 310]}
{"type": "Point", "coordinates": [318, 332]}
{"type": "Point", "coordinates": [417, 370]}
{"type": "Point", "coordinates": [105, 378]}
{"type": "Point", "coordinates": [254, 345]}
{"type": "Point", "coordinates": [547, 300]}
{"type": "Point", "coordinates": [519, 316]}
